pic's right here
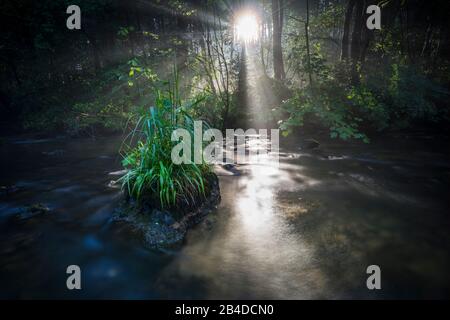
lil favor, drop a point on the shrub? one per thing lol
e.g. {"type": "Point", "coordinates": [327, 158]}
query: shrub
{"type": "Point", "coordinates": [414, 96]}
{"type": "Point", "coordinates": [87, 117]}
{"type": "Point", "coordinates": [152, 178]}
{"type": "Point", "coordinates": [331, 113]}
{"type": "Point", "coordinates": [396, 98]}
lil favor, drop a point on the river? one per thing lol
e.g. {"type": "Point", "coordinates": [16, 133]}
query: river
{"type": "Point", "coordinates": [306, 229]}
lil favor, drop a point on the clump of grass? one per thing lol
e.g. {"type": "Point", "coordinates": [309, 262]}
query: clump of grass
{"type": "Point", "coordinates": [151, 175]}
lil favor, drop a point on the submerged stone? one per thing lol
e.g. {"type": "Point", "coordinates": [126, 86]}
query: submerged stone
{"type": "Point", "coordinates": [33, 210]}
{"type": "Point", "coordinates": [311, 144]}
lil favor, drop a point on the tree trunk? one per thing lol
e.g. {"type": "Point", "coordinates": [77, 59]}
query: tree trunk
{"type": "Point", "coordinates": [277, 19]}
{"type": "Point", "coordinates": [95, 51]}
{"type": "Point", "coordinates": [183, 49]}
{"type": "Point", "coordinates": [308, 53]}
{"type": "Point", "coordinates": [356, 46]}
{"type": "Point", "coordinates": [13, 67]}
{"type": "Point", "coordinates": [346, 36]}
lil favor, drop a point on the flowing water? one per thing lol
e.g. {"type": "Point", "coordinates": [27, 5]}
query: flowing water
{"type": "Point", "coordinates": [306, 229]}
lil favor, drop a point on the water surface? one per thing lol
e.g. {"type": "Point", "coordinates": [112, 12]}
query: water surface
{"type": "Point", "coordinates": [307, 229]}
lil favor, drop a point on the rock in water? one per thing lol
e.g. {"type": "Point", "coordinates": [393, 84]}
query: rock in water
{"type": "Point", "coordinates": [33, 210]}
{"type": "Point", "coordinates": [227, 170]}
{"type": "Point", "coordinates": [38, 208]}
{"type": "Point", "coordinates": [311, 144]}
{"type": "Point", "coordinates": [161, 228]}
{"type": "Point", "coordinates": [7, 190]}
{"type": "Point", "coordinates": [117, 173]}
{"type": "Point", "coordinates": [228, 166]}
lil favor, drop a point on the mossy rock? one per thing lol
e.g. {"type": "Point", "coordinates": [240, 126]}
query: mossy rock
{"type": "Point", "coordinates": [161, 228]}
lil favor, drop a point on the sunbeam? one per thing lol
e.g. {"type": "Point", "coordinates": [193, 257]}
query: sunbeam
{"type": "Point", "coordinates": [247, 27]}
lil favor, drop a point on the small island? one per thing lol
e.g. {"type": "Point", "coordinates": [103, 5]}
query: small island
{"type": "Point", "coordinates": [163, 199]}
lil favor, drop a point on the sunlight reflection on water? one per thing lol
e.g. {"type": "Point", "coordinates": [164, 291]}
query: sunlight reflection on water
{"type": "Point", "coordinates": [255, 248]}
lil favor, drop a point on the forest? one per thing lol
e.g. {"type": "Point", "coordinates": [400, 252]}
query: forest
{"type": "Point", "coordinates": [350, 96]}
{"type": "Point", "coordinates": [322, 65]}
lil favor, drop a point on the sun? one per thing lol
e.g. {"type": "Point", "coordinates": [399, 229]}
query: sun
{"type": "Point", "coordinates": [247, 28]}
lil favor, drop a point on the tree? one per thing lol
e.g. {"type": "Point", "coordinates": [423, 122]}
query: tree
{"type": "Point", "coordinates": [356, 46]}
{"type": "Point", "coordinates": [308, 53]}
{"type": "Point", "coordinates": [277, 20]}
{"type": "Point", "coordinates": [346, 36]}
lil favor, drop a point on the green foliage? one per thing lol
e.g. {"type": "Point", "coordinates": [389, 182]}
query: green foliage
{"type": "Point", "coordinates": [152, 177]}
{"type": "Point", "coordinates": [42, 121]}
{"type": "Point", "coordinates": [98, 104]}
{"type": "Point", "coordinates": [210, 108]}
{"type": "Point", "coordinates": [103, 104]}
{"type": "Point", "coordinates": [414, 96]}
{"type": "Point", "coordinates": [86, 117]}
{"type": "Point", "coordinates": [391, 92]}
{"type": "Point", "coordinates": [327, 109]}
{"type": "Point", "coordinates": [348, 110]}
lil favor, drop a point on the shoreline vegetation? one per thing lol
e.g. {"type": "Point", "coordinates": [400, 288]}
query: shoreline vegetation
{"type": "Point", "coordinates": [339, 76]}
